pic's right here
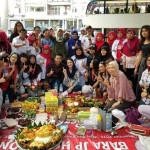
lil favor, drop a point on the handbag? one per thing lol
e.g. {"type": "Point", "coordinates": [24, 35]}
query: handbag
{"type": "Point", "coordinates": [137, 129]}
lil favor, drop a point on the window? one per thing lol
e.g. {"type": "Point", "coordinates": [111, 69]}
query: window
{"type": "Point", "coordinates": [55, 10]}
{"type": "Point", "coordinates": [39, 9]}
{"type": "Point", "coordinates": [43, 24]}
{"type": "Point", "coordinates": [35, 9]}
{"type": "Point", "coordinates": [29, 24]}
{"type": "Point", "coordinates": [74, 10]}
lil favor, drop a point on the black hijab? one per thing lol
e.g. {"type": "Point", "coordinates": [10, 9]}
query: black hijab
{"type": "Point", "coordinates": [82, 56]}
{"type": "Point", "coordinates": [74, 69]}
{"type": "Point", "coordinates": [108, 54]}
{"type": "Point", "coordinates": [36, 69]}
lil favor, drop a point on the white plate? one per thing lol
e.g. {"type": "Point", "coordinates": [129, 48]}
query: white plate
{"type": "Point", "coordinates": [10, 122]}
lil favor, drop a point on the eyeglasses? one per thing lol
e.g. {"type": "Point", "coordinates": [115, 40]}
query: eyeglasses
{"type": "Point", "coordinates": [37, 30]}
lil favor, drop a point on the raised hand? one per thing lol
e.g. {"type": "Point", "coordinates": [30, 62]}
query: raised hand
{"type": "Point", "coordinates": [24, 43]}
{"type": "Point", "coordinates": [82, 64]}
{"type": "Point", "coordinates": [51, 72]}
{"type": "Point", "coordinates": [64, 71]}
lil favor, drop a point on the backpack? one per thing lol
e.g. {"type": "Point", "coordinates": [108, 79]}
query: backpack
{"type": "Point", "coordinates": [132, 115]}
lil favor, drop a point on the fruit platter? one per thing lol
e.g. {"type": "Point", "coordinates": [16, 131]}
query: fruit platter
{"type": "Point", "coordinates": [39, 137]}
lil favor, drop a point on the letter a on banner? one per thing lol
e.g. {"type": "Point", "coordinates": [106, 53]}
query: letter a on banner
{"type": "Point", "coordinates": [96, 145]}
{"type": "Point", "coordinates": [123, 146]}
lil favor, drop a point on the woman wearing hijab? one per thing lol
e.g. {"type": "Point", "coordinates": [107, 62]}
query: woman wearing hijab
{"type": "Point", "coordinates": [71, 81]}
{"type": "Point", "coordinates": [5, 47]}
{"type": "Point", "coordinates": [59, 44]}
{"type": "Point", "coordinates": [34, 73]}
{"type": "Point", "coordinates": [117, 47]}
{"type": "Point", "coordinates": [130, 50]}
{"type": "Point", "coordinates": [44, 59]}
{"type": "Point", "coordinates": [80, 61]}
{"type": "Point", "coordinates": [111, 37]}
{"type": "Point", "coordinates": [119, 90]}
{"type": "Point", "coordinates": [99, 41]}
{"type": "Point", "coordinates": [105, 54]}
{"type": "Point", "coordinates": [73, 43]}
{"type": "Point", "coordinates": [33, 44]}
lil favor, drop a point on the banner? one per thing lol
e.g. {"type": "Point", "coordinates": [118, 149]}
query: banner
{"type": "Point", "coordinates": [93, 140]}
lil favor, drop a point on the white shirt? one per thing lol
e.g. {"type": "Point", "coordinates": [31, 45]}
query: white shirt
{"type": "Point", "coordinates": [78, 63]}
{"type": "Point", "coordinates": [33, 50]}
{"type": "Point", "coordinates": [26, 80]}
{"type": "Point", "coordinates": [85, 41]}
{"type": "Point", "coordinates": [22, 49]}
{"type": "Point", "coordinates": [40, 59]}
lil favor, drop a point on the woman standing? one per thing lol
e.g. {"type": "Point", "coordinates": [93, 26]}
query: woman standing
{"type": "Point", "coordinates": [117, 47]}
{"type": "Point", "coordinates": [59, 44]}
{"type": "Point", "coordinates": [37, 31]}
{"type": "Point", "coordinates": [33, 44]}
{"type": "Point", "coordinates": [130, 50]}
{"type": "Point", "coordinates": [16, 32]}
{"type": "Point", "coordinates": [45, 39]}
{"type": "Point", "coordinates": [99, 41]}
{"type": "Point", "coordinates": [5, 47]}
{"type": "Point", "coordinates": [144, 51]}
{"type": "Point", "coordinates": [111, 37]}
{"type": "Point", "coordinates": [71, 81]}
{"type": "Point", "coordinates": [80, 61]}
{"type": "Point", "coordinates": [73, 43]}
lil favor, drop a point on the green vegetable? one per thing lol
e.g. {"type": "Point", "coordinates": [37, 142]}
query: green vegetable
{"type": "Point", "coordinates": [21, 136]}
{"type": "Point", "coordinates": [40, 124]}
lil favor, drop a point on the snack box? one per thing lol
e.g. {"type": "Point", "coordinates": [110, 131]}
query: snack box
{"type": "Point", "coordinates": [82, 115]}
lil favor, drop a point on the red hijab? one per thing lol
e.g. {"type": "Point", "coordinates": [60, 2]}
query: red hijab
{"type": "Point", "coordinates": [46, 56]}
{"type": "Point", "coordinates": [120, 43]}
{"type": "Point", "coordinates": [111, 41]}
{"type": "Point", "coordinates": [31, 42]}
{"type": "Point", "coordinates": [3, 37]}
{"type": "Point", "coordinates": [100, 43]}
{"type": "Point", "coordinates": [131, 47]}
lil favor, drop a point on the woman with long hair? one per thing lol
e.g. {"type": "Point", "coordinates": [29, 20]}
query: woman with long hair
{"type": "Point", "coordinates": [37, 31]}
{"type": "Point", "coordinates": [144, 50]}
{"type": "Point", "coordinates": [5, 47]}
{"type": "Point", "coordinates": [90, 76]}
{"type": "Point", "coordinates": [18, 26]}
{"type": "Point", "coordinates": [10, 86]}
{"type": "Point", "coordinates": [80, 61]}
{"type": "Point", "coordinates": [71, 81]}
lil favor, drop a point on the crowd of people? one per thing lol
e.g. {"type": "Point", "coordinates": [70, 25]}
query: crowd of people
{"type": "Point", "coordinates": [117, 67]}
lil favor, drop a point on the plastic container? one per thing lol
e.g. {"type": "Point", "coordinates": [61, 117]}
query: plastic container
{"type": "Point", "coordinates": [89, 124]}
{"type": "Point", "coordinates": [82, 116]}
{"type": "Point", "coordinates": [60, 89]}
{"type": "Point", "coordinates": [99, 123]}
{"type": "Point", "coordinates": [94, 93]}
{"type": "Point", "coordinates": [90, 93]}
{"type": "Point", "coordinates": [56, 86]}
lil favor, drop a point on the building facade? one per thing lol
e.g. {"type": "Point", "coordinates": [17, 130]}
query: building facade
{"type": "Point", "coordinates": [45, 13]}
